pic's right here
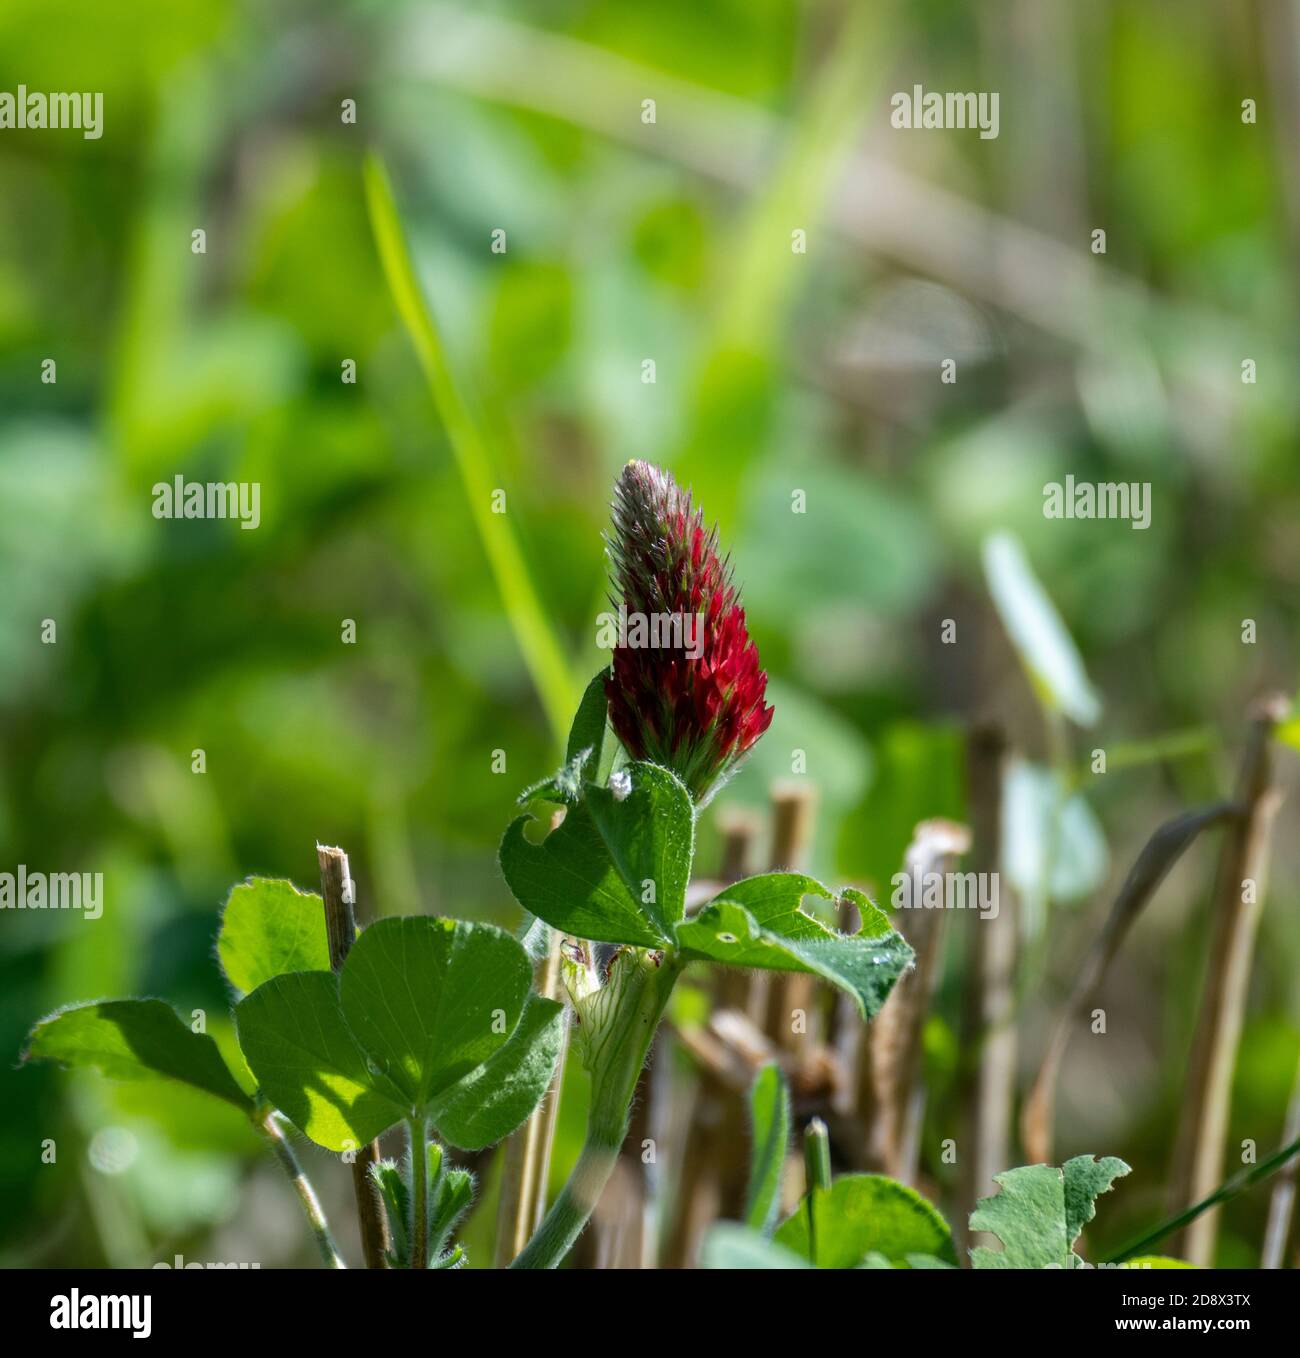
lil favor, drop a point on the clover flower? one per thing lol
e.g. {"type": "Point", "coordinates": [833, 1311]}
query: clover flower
{"type": "Point", "coordinates": [685, 688]}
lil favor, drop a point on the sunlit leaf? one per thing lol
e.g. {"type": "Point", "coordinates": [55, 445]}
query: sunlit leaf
{"type": "Point", "coordinates": [269, 927]}
{"type": "Point", "coordinates": [616, 869]}
{"type": "Point", "coordinates": [134, 1040]}
{"type": "Point", "coordinates": [758, 923]}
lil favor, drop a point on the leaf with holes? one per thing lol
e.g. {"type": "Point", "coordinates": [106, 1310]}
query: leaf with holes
{"type": "Point", "coordinates": [760, 922]}
{"type": "Point", "coordinates": [1040, 1211]}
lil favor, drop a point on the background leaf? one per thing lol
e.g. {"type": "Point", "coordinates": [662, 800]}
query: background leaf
{"type": "Point", "coordinates": [1045, 647]}
{"type": "Point", "coordinates": [1051, 838]}
{"type": "Point", "coordinates": [730, 1245]}
{"type": "Point", "coordinates": [465, 430]}
{"type": "Point", "coordinates": [134, 1040]}
{"type": "Point", "coordinates": [861, 1213]}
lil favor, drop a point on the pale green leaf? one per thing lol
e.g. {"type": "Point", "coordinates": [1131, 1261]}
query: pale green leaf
{"type": "Point", "coordinates": [1046, 649]}
{"type": "Point", "coordinates": [269, 927]}
{"type": "Point", "coordinates": [1051, 837]}
{"type": "Point", "coordinates": [1040, 1211]}
{"type": "Point", "coordinates": [732, 1246]}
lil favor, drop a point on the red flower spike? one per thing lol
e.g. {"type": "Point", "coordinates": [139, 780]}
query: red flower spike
{"type": "Point", "coordinates": [688, 693]}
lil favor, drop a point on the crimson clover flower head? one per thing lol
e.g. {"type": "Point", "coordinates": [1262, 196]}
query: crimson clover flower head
{"type": "Point", "coordinates": [687, 694]}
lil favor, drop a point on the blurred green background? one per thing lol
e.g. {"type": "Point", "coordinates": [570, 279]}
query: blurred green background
{"type": "Point", "coordinates": [775, 371]}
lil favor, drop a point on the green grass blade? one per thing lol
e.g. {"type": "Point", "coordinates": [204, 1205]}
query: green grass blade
{"type": "Point", "coordinates": [537, 641]}
{"type": "Point", "coordinates": [769, 1112]}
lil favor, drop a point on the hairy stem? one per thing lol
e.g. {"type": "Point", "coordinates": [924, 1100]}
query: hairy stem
{"type": "Point", "coordinates": [617, 1031]}
{"type": "Point", "coordinates": [269, 1126]}
{"type": "Point", "coordinates": [419, 1193]}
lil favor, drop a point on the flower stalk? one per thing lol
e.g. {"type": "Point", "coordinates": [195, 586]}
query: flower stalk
{"type": "Point", "coordinates": [616, 1025]}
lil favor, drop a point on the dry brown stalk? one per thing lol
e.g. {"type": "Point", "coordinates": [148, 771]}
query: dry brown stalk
{"type": "Point", "coordinates": [1158, 856]}
{"type": "Point", "coordinates": [1281, 1206]}
{"type": "Point", "coordinates": [1237, 900]}
{"type": "Point", "coordinates": [895, 1048]}
{"type": "Point", "coordinates": [526, 1160]}
{"type": "Point", "coordinates": [337, 892]}
{"type": "Point", "coordinates": [713, 1118]}
{"type": "Point", "coordinates": [792, 1012]}
{"type": "Point", "coordinates": [988, 1012]}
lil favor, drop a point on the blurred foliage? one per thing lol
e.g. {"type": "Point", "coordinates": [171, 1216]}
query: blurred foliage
{"type": "Point", "coordinates": [775, 373]}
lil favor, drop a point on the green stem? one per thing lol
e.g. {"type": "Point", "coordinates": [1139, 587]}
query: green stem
{"type": "Point", "coordinates": [1225, 1192]}
{"type": "Point", "coordinates": [616, 1028]}
{"type": "Point", "coordinates": [419, 1193]}
{"type": "Point", "coordinates": [269, 1126]}
{"type": "Point", "coordinates": [817, 1155]}
{"type": "Point", "coordinates": [817, 1171]}
{"type": "Point", "coordinates": [571, 1211]}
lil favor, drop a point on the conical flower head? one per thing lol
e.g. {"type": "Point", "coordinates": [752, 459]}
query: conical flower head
{"type": "Point", "coordinates": [685, 688]}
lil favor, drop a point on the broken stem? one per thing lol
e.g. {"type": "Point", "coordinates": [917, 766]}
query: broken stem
{"type": "Point", "coordinates": [341, 931]}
